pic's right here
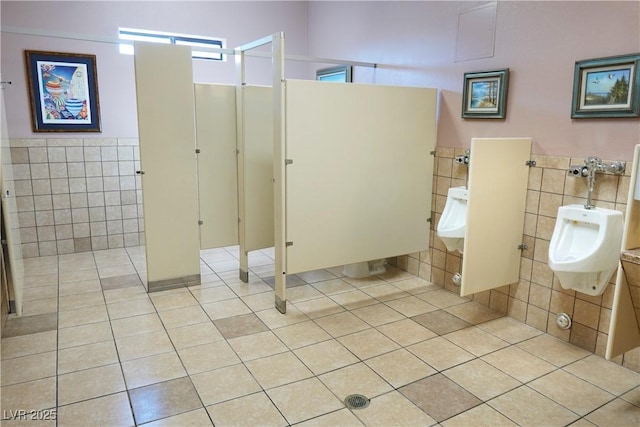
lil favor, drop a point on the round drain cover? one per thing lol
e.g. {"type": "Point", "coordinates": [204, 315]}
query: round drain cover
{"type": "Point", "coordinates": [356, 401]}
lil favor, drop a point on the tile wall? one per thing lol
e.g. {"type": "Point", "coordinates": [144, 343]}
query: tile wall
{"type": "Point", "coordinates": [77, 195]}
{"type": "Point", "coordinates": [538, 297]}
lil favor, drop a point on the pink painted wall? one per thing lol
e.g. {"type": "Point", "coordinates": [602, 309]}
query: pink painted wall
{"type": "Point", "coordinates": [539, 41]}
{"type": "Point", "coordinates": [238, 22]}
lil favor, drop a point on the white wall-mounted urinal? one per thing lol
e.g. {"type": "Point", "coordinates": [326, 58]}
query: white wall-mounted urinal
{"type": "Point", "coordinates": [585, 247]}
{"type": "Point", "coordinates": [452, 224]}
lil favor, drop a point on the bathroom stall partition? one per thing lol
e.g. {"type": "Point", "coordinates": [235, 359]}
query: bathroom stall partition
{"type": "Point", "coordinates": [498, 178]}
{"type": "Point", "coordinates": [624, 328]}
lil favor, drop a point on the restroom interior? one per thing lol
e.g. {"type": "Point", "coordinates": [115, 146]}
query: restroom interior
{"type": "Point", "coordinates": [50, 229]}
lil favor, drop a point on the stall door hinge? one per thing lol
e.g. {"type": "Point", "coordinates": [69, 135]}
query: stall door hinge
{"type": "Point", "coordinates": [530, 163]}
{"type": "Point", "coordinates": [523, 246]}
{"type": "Point", "coordinates": [289, 244]}
{"type": "Point", "coordinates": [288, 161]}
{"type": "Point", "coordinates": [197, 151]}
{"type": "Point", "coordinates": [433, 153]}
{"type": "Point", "coordinates": [429, 219]}
{"type": "Point", "coordinates": [200, 222]}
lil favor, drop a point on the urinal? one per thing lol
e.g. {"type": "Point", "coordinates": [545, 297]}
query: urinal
{"type": "Point", "coordinates": [452, 224]}
{"type": "Point", "coordinates": [585, 247]}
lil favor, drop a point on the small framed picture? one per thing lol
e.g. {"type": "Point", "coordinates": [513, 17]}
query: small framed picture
{"type": "Point", "coordinates": [63, 92]}
{"type": "Point", "coordinates": [607, 87]}
{"type": "Point", "coordinates": [341, 74]}
{"type": "Point", "coordinates": [484, 95]}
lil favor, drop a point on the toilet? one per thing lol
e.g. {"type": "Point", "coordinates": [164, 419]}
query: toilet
{"type": "Point", "coordinates": [452, 224]}
{"type": "Point", "coordinates": [364, 269]}
{"type": "Point", "coordinates": [585, 247]}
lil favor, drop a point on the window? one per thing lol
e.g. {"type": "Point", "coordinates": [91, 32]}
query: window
{"type": "Point", "coordinates": [335, 74]}
{"type": "Point", "coordinates": [128, 35]}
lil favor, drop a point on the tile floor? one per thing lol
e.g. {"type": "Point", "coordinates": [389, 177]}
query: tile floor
{"type": "Point", "coordinates": [94, 349]}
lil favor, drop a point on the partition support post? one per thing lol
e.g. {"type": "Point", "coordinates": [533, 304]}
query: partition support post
{"type": "Point", "coordinates": [279, 172]}
{"type": "Point", "coordinates": [243, 271]}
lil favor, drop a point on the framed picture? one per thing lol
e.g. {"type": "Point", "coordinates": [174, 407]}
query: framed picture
{"type": "Point", "coordinates": [63, 92]}
{"type": "Point", "coordinates": [607, 87]}
{"type": "Point", "coordinates": [484, 95]}
{"type": "Point", "coordinates": [341, 73]}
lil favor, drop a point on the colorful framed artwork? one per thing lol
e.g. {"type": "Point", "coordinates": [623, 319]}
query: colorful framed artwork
{"type": "Point", "coordinates": [484, 95]}
{"type": "Point", "coordinates": [607, 87]}
{"type": "Point", "coordinates": [63, 92]}
{"type": "Point", "coordinates": [341, 74]}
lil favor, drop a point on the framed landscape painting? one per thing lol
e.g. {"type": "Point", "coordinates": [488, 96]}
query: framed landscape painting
{"type": "Point", "coordinates": [607, 87]}
{"type": "Point", "coordinates": [63, 92]}
{"type": "Point", "coordinates": [484, 95]}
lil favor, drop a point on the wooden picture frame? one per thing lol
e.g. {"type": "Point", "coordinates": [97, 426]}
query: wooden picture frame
{"type": "Point", "coordinates": [484, 94]}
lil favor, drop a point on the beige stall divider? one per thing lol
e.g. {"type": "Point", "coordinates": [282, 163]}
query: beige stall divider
{"type": "Point", "coordinates": [498, 176]}
{"type": "Point", "coordinates": [624, 332]}
{"type": "Point", "coordinates": [358, 174]}
{"type": "Point", "coordinates": [217, 172]}
{"type": "Point", "coordinates": [166, 126]}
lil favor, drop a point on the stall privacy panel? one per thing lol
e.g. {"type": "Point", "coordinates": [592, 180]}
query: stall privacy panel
{"type": "Point", "coordinates": [255, 169]}
{"type": "Point", "coordinates": [498, 177]}
{"type": "Point", "coordinates": [166, 126]}
{"type": "Point", "coordinates": [359, 172]}
{"type": "Point", "coordinates": [217, 172]}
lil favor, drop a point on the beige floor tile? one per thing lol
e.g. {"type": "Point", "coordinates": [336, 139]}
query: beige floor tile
{"type": "Point", "coordinates": [378, 314]}
{"type": "Point", "coordinates": [136, 325]}
{"type": "Point", "coordinates": [212, 294]}
{"type": "Point", "coordinates": [29, 344]}
{"type": "Point", "coordinates": [333, 286]}
{"type": "Point", "coordinates": [442, 299]}
{"type": "Point", "coordinates": [277, 370]}
{"type": "Point", "coordinates": [183, 317]}
{"type": "Point", "coordinates": [363, 282]}
{"type": "Point", "coordinates": [81, 287]}
{"type": "Point", "coordinates": [39, 292]}
{"type": "Point", "coordinates": [301, 334]}
{"type": "Point", "coordinates": [86, 299]}
{"type": "Point", "coordinates": [473, 312]}
{"type": "Point", "coordinates": [224, 384]}
{"type": "Point", "coordinates": [192, 335]}
{"type": "Point", "coordinates": [393, 409]}
{"type": "Point", "coordinates": [481, 379]}
{"type": "Point", "coordinates": [411, 306]}
{"type": "Point", "coordinates": [143, 345]}
{"type": "Point", "coordinates": [227, 308]}
{"type": "Point", "coordinates": [606, 375]}
{"type": "Point", "coordinates": [40, 306]}
{"type": "Point", "coordinates": [130, 308]}
{"type": "Point", "coordinates": [197, 418]}
{"type": "Point", "coordinates": [274, 319]}
{"type": "Point", "coordinates": [82, 316]}
{"type": "Point", "coordinates": [400, 367]}
{"type": "Point", "coordinates": [344, 418]}
{"type": "Point", "coordinates": [538, 410]}
{"type": "Point", "coordinates": [125, 294]}
{"type": "Point", "coordinates": [415, 285]}
{"type": "Point", "coordinates": [259, 345]}
{"type": "Point", "coordinates": [153, 369]}
{"type": "Point", "coordinates": [325, 356]}
{"type": "Point", "coordinates": [385, 292]}
{"type": "Point", "coordinates": [84, 334]}
{"type": "Point", "coordinates": [367, 344]}
{"type": "Point", "coordinates": [32, 395]}
{"type": "Point", "coordinates": [179, 298]}
{"type": "Point", "coordinates": [440, 353]}
{"type": "Point", "coordinates": [27, 325]}
{"type": "Point", "coordinates": [78, 275]}
{"type": "Point", "coordinates": [476, 341]}
{"type": "Point", "coordinates": [616, 413]}
{"type": "Point", "coordinates": [316, 276]}
{"type": "Point", "coordinates": [571, 392]}
{"type": "Point", "coordinates": [252, 410]}
{"type": "Point", "coordinates": [161, 400]}
{"type": "Point", "coordinates": [208, 357]}
{"type": "Point", "coordinates": [353, 299]}
{"type": "Point", "coordinates": [86, 356]}
{"type": "Point", "coordinates": [319, 307]}
{"type": "Point", "coordinates": [260, 301]}
{"type": "Point", "coordinates": [112, 410]}
{"type": "Point", "coordinates": [357, 378]}
{"type": "Point", "coordinates": [340, 324]}
{"type": "Point", "coordinates": [394, 274]}
{"type": "Point", "coordinates": [519, 364]}
{"type": "Point", "coordinates": [294, 403]}
{"type": "Point", "coordinates": [256, 286]}
{"type": "Point", "coordinates": [90, 383]}
{"type": "Point", "coordinates": [480, 416]}
{"type": "Point", "coordinates": [302, 292]}
{"type": "Point", "coordinates": [28, 368]}
{"type": "Point", "coordinates": [633, 396]}
{"type": "Point", "coordinates": [406, 332]}
{"type": "Point", "coordinates": [553, 350]}
{"type": "Point", "coordinates": [509, 329]}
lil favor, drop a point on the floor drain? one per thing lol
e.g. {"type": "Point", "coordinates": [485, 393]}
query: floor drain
{"type": "Point", "coordinates": [356, 401]}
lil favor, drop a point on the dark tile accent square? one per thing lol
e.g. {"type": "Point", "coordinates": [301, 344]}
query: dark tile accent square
{"type": "Point", "coordinates": [439, 397]}
{"type": "Point", "coordinates": [238, 326]}
{"type": "Point", "coordinates": [27, 325]}
{"type": "Point", "coordinates": [120, 282]}
{"type": "Point", "coordinates": [163, 400]}
{"type": "Point", "coordinates": [292, 281]}
{"type": "Point", "coordinates": [82, 244]}
{"type": "Point", "coordinates": [441, 322]}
